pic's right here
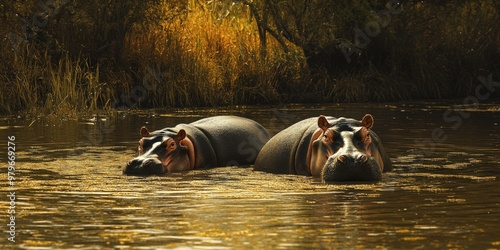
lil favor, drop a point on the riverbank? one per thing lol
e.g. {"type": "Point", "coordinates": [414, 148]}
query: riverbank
{"type": "Point", "coordinates": [80, 58]}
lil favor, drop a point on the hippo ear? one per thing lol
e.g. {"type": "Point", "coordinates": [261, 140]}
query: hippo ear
{"type": "Point", "coordinates": [323, 123]}
{"type": "Point", "coordinates": [367, 121]}
{"type": "Point", "coordinates": [181, 135]}
{"type": "Point", "coordinates": [145, 132]}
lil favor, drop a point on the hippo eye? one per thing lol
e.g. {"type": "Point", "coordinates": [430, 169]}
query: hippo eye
{"type": "Point", "coordinates": [328, 136]}
{"type": "Point", "coordinates": [169, 144]}
{"type": "Point", "coordinates": [367, 138]}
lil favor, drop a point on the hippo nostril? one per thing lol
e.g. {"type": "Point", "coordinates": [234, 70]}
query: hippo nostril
{"type": "Point", "coordinates": [341, 158]}
{"type": "Point", "coordinates": [352, 159]}
{"type": "Point", "coordinates": [364, 158]}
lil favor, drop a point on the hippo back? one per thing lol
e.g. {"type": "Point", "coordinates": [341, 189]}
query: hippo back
{"type": "Point", "coordinates": [234, 140]}
{"type": "Point", "coordinates": [279, 155]}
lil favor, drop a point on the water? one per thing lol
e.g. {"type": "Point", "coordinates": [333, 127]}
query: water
{"type": "Point", "coordinates": [70, 192]}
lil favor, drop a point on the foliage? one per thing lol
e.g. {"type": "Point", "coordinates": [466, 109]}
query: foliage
{"type": "Point", "coordinates": [391, 49]}
{"type": "Point", "coordinates": [71, 56]}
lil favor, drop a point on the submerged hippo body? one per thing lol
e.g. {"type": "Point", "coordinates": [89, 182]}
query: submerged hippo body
{"type": "Point", "coordinates": [210, 142]}
{"type": "Point", "coordinates": [335, 149]}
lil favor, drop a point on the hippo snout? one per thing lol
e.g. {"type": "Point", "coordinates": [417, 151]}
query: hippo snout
{"type": "Point", "coordinates": [144, 166]}
{"type": "Point", "coordinates": [345, 167]}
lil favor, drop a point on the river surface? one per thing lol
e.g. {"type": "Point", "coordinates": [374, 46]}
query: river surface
{"type": "Point", "coordinates": [70, 193]}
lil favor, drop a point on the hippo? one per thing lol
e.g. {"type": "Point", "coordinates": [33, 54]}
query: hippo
{"type": "Point", "coordinates": [335, 149]}
{"type": "Point", "coordinates": [211, 142]}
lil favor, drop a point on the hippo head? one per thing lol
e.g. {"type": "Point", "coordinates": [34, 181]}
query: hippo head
{"type": "Point", "coordinates": [164, 153]}
{"type": "Point", "coordinates": [345, 151]}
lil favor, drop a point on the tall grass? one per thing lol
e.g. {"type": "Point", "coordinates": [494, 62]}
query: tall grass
{"type": "Point", "coordinates": [75, 86]}
{"type": "Point", "coordinates": [38, 86]}
{"type": "Point", "coordinates": [208, 60]}
{"type": "Point", "coordinates": [16, 80]}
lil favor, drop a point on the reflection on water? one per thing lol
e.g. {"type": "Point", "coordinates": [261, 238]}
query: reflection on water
{"type": "Point", "coordinates": [71, 193]}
